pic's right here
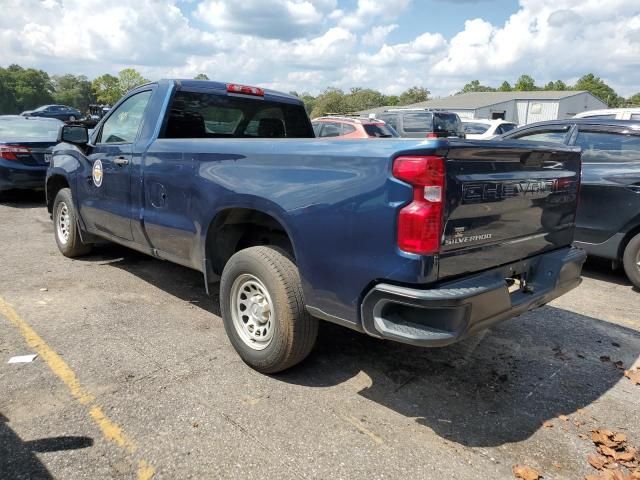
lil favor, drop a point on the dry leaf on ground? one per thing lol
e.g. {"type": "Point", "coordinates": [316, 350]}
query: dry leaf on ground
{"type": "Point", "coordinates": [526, 473]}
{"type": "Point", "coordinates": [633, 375]}
{"type": "Point", "coordinates": [597, 461]}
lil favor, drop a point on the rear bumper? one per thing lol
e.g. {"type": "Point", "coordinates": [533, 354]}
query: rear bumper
{"type": "Point", "coordinates": [16, 176]}
{"type": "Point", "coordinates": [454, 310]}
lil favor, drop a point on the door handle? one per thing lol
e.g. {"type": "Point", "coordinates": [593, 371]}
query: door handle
{"type": "Point", "coordinates": [121, 161]}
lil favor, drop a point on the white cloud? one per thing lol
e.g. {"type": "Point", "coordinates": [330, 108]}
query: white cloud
{"type": "Point", "coordinates": [284, 19]}
{"type": "Point", "coordinates": [370, 10]}
{"type": "Point", "coordinates": [377, 35]}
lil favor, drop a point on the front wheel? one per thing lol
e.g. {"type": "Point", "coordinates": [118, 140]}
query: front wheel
{"type": "Point", "coordinates": [65, 221]}
{"type": "Point", "coordinates": [263, 309]}
{"type": "Point", "coordinates": [631, 260]}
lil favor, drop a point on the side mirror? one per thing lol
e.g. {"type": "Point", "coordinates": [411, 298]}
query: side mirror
{"type": "Point", "coordinates": [76, 134]}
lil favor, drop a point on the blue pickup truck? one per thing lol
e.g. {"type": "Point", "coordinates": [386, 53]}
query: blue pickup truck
{"type": "Point", "coordinates": [422, 241]}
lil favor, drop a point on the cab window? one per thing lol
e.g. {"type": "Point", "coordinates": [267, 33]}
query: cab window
{"type": "Point", "coordinates": [123, 124]}
{"type": "Point", "coordinates": [554, 136]}
{"type": "Point", "coordinates": [601, 147]}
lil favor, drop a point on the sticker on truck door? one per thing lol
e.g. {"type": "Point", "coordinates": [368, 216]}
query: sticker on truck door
{"type": "Point", "coordinates": [97, 173]}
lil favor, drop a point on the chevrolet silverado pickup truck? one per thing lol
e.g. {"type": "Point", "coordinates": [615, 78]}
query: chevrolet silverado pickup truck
{"type": "Point", "coordinates": [422, 241]}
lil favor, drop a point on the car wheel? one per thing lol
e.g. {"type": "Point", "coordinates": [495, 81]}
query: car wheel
{"type": "Point", "coordinates": [65, 221]}
{"type": "Point", "coordinates": [263, 309]}
{"type": "Point", "coordinates": [631, 260]}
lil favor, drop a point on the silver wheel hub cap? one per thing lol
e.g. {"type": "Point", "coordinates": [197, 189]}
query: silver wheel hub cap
{"type": "Point", "coordinates": [252, 311]}
{"type": "Point", "coordinates": [63, 223]}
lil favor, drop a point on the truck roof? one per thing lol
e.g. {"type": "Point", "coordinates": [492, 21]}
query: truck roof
{"type": "Point", "coordinates": [215, 85]}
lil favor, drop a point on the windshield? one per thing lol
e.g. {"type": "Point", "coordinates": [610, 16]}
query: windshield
{"type": "Point", "coordinates": [26, 129]}
{"type": "Point", "coordinates": [379, 130]}
{"type": "Point", "coordinates": [475, 128]}
{"type": "Point", "coordinates": [446, 122]}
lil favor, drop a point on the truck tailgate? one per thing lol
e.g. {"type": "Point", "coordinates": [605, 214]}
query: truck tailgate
{"type": "Point", "coordinates": [506, 201]}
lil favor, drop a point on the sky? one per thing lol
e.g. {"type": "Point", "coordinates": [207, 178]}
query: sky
{"type": "Point", "coordinates": [308, 45]}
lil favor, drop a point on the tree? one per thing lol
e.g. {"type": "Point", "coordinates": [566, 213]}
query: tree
{"type": "Point", "coordinates": [525, 83]}
{"type": "Point", "coordinates": [634, 100]}
{"type": "Point", "coordinates": [599, 88]}
{"type": "Point", "coordinates": [474, 86]}
{"type": "Point", "coordinates": [363, 99]}
{"type": "Point", "coordinates": [558, 85]}
{"type": "Point", "coordinates": [24, 89]}
{"type": "Point", "coordinates": [332, 100]}
{"type": "Point", "coordinates": [106, 89]}
{"type": "Point", "coordinates": [505, 87]}
{"type": "Point", "coordinates": [390, 100]}
{"type": "Point", "coordinates": [129, 79]}
{"type": "Point", "coordinates": [73, 90]}
{"type": "Point", "coordinates": [413, 95]}
{"type": "Point", "coordinates": [201, 76]}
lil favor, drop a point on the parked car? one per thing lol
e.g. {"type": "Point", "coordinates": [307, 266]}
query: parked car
{"type": "Point", "coordinates": [608, 219]}
{"type": "Point", "coordinates": [480, 129]}
{"type": "Point", "coordinates": [612, 113]}
{"type": "Point", "coordinates": [61, 112]}
{"type": "Point", "coordinates": [349, 127]}
{"type": "Point", "coordinates": [25, 150]}
{"type": "Point", "coordinates": [414, 241]}
{"type": "Point", "coordinates": [420, 123]}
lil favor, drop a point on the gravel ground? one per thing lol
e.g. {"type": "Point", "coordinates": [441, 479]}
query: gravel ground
{"type": "Point", "coordinates": [146, 343]}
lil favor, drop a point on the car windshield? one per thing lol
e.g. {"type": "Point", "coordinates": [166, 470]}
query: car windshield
{"type": "Point", "coordinates": [16, 129]}
{"type": "Point", "coordinates": [379, 130]}
{"type": "Point", "coordinates": [475, 128]}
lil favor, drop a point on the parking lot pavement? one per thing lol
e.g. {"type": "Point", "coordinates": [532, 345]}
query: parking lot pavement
{"type": "Point", "coordinates": [146, 346]}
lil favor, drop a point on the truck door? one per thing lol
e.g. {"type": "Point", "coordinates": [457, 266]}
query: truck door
{"type": "Point", "coordinates": [105, 198]}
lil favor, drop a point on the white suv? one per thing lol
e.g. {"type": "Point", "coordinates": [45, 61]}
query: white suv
{"type": "Point", "coordinates": [612, 113]}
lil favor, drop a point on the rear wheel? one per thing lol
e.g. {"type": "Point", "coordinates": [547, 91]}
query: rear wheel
{"type": "Point", "coordinates": [631, 260]}
{"type": "Point", "coordinates": [263, 309]}
{"type": "Point", "coordinates": [65, 221]}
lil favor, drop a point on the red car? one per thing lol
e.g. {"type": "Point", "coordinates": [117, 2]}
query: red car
{"type": "Point", "coordinates": [352, 127]}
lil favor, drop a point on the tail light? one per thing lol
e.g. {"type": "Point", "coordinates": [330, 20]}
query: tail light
{"type": "Point", "coordinates": [11, 152]}
{"type": "Point", "coordinates": [432, 135]}
{"type": "Point", "coordinates": [245, 90]}
{"type": "Point", "coordinates": [420, 222]}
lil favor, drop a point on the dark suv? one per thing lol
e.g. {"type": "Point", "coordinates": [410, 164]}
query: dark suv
{"type": "Point", "coordinates": [423, 123]}
{"type": "Point", "coordinates": [608, 219]}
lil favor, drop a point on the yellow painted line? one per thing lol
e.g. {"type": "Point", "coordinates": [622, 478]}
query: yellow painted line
{"type": "Point", "coordinates": [110, 430]}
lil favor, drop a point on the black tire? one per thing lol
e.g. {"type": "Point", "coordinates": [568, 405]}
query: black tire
{"type": "Point", "coordinates": [294, 330]}
{"type": "Point", "coordinates": [631, 260]}
{"type": "Point", "coordinates": [73, 245]}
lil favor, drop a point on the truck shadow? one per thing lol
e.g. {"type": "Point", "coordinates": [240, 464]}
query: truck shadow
{"type": "Point", "coordinates": [23, 199]}
{"type": "Point", "coordinates": [18, 459]}
{"type": "Point", "coordinates": [600, 269]}
{"type": "Point", "coordinates": [492, 389]}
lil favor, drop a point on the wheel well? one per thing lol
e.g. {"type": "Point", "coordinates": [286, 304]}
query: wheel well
{"type": "Point", "coordinates": [54, 185]}
{"type": "Point", "coordinates": [237, 228]}
{"type": "Point", "coordinates": [627, 238]}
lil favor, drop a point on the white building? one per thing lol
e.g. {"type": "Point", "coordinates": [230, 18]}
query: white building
{"type": "Point", "coordinates": [517, 107]}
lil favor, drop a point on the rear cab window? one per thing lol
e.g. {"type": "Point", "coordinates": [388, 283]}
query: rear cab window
{"type": "Point", "coordinates": [221, 115]}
